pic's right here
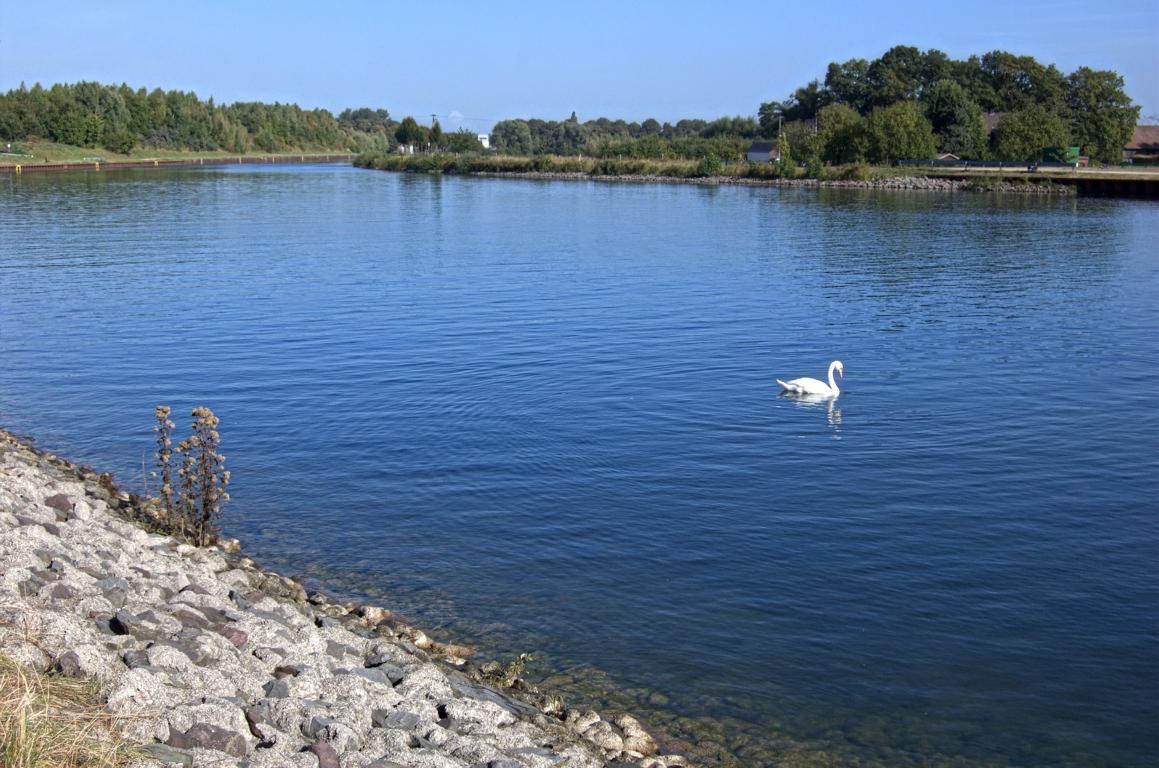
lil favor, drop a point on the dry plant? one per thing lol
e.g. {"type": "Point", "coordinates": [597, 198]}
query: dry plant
{"type": "Point", "coordinates": [164, 457]}
{"type": "Point", "coordinates": [192, 514]}
{"type": "Point", "coordinates": [204, 479]}
{"type": "Point", "coordinates": [49, 721]}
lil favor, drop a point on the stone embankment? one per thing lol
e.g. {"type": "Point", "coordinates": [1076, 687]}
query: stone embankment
{"type": "Point", "coordinates": [899, 183]}
{"type": "Point", "coordinates": [211, 661]}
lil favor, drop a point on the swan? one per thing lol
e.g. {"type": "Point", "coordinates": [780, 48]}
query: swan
{"type": "Point", "coordinates": [807, 386]}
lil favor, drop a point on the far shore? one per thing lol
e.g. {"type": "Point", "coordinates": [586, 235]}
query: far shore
{"type": "Point", "coordinates": [99, 164]}
{"type": "Point", "coordinates": [1113, 182]}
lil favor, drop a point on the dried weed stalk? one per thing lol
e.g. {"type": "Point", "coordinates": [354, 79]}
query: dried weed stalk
{"type": "Point", "coordinates": [202, 475]}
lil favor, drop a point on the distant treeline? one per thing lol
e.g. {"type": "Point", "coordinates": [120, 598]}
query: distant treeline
{"type": "Point", "coordinates": [687, 139]}
{"type": "Point", "coordinates": [907, 104]}
{"type": "Point", "coordinates": [912, 103]}
{"type": "Point", "coordinates": [120, 118]}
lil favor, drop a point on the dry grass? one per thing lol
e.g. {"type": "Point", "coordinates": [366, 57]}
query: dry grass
{"type": "Point", "coordinates": [49, 721]}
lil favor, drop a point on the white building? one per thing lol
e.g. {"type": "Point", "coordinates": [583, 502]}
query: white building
{"type": "Point", "coordinates": [484, 139]}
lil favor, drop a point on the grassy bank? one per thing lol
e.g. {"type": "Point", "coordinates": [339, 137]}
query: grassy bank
{"type": "Point", "coordinates": [1121, 182]}
{"type": "Point", "coordinates": [38, 152]}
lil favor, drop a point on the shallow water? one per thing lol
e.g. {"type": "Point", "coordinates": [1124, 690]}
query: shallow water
{"type": "Point", "coordinates": [541, 415]}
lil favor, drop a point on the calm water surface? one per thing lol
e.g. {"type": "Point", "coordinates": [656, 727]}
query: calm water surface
{"type": "Point", "coordinates": [542, 416]}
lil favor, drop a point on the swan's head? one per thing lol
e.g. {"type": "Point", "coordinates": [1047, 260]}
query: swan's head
{"type": "Point", "coordinates": [837, 366]}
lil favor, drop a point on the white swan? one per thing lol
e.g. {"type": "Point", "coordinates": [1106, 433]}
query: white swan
{"type": "Point", "coordinates": [807, 386]}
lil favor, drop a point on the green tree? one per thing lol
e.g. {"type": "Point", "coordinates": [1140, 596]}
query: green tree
{"type": "Point", "coordinates": [366, 120]}
{"type": "Point", "coordinates": [408, 131]}
{"type": "Point", "coordinates": [956, 120]}
{"type": "Point", "coordinates": [565, 138]}
{"type": "Point", "coordinates": [802, 136]}
{"type": "Point", "coordinates": [1022, 135]}
{"type": "Point", "coordinates": [1019, 81]}
{"type": "Point", "coordinates": [803, 104]}
{"type": "Point", "coordinates": [436, 135]}
{"type": "Point", "coordinates": [784, 151]}
{"type": "Point", "coordinates": [462, 140]}
{"type": "Point", "coordinates": [896, 76]}
{"type": "Point", "coordinates": [1103, 115]}
{"type": "Point", "coordinates": [68, 125]}
{"type": "Point", "coordinates": [120, 141]}
{"type": "Point", "coordinates": [849, 84]}
{"type": "Point", "coordinates": [512, 137]}
{"type": "Point", "coordinates": [841, 134]}
{"type": "Point", "coordinates": [899, 132]}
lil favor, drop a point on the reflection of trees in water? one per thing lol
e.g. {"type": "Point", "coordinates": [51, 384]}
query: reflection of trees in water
{"type": "Point", "coordinates": [898, 239]}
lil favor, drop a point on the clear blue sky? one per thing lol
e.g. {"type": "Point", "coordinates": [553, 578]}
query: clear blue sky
{"type": "Point", "coordinates": [492, 59]}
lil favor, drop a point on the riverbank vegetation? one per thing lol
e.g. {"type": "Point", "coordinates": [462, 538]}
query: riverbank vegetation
{"type": "Point", "coordinates": [997, 106]}
{"type": "Point", "coordinates": [908, 104]}
{"type": "Point", "coordinates": [48, 720]}
{"type": "Point", "coordinates": [709, 166]}
{"type": "Point", "coordinates": [121, 119]}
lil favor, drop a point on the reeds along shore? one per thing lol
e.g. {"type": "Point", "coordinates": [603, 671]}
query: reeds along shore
{"type": "Point", "coordinates": [202, 657]}
{"type": "Point", "coordinates": [858, 175]}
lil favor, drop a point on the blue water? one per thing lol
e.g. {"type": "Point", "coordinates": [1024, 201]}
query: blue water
{"type": "Point", "coordinates": [542, 416]}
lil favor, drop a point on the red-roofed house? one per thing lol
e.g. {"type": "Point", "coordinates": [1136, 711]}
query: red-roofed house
{"type": "Point", "coordinates": [1144, 144]}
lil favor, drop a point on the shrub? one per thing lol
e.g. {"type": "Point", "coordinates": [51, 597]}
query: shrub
{"type": "Point", "coordinates": [813, 167]}
{"type": "Point", "coordinates": [709, 165]}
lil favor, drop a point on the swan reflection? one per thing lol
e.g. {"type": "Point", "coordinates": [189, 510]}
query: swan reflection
{"type": "Point", "coordinates": [832, 412]}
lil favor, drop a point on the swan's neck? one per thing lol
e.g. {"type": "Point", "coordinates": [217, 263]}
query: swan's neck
{"type": "Point", "coordinates": [832, 383]}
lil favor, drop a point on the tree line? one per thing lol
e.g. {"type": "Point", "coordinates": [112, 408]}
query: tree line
{"type": "Point", "coordinates": [603, 138]}
{"type": "Point", "coordinates": [906, 104]}
{"type": "Point", "coordinates": [911, 103]}
{"type": "Point", "coordinates": [120, 118]}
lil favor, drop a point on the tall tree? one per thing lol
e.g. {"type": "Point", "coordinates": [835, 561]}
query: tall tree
{"type": "Point", "coordinates": [409, 131]}
{"type": "Point", "coordinates": [462, 140]}
{"type": "Point", "coordinates": [512, 137]}
{"type": "Point", "coordinates": [1019, 81]}
{"type": "Point", "coordinates": [956, 120]}
{"type": "Point", "coordinates": [977, 83]}
{"type": "Point", "coordinates": [1103, 115]}
{"type": "Point", "coordinates": [896, 76]}
{"type": "Point", "coordinates": [899, 132]}
{"type": "Point", "coordinates": [841, 134]}
{"type": "Point", "coordinates": [849, 83]}
{"type": "Point", "coordinates": [1023, 134]}
{"type": "Point", "coordinates": [803, 138]}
